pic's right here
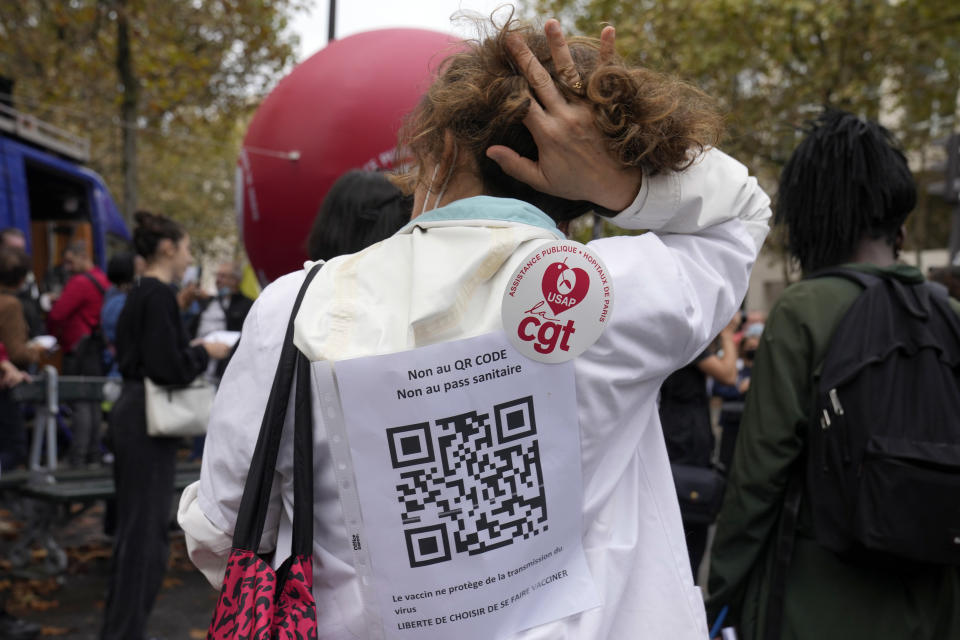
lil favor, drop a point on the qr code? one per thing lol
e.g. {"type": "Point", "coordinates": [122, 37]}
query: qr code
{"type": "Point", "coordinates": [467, 486]}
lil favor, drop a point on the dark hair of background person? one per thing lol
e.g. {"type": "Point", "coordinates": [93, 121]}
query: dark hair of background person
{"type": "Point", "coordinates": [360, 209]}
{"type": "Point", "coordinates": [14, 265]}
{"type": "Point", "coordinates": [948, 277]}
{"type": "Point", "coordinates": [151, 229]}
{"type": "Point", "coordinates": [120, 269]}
{"type": "Point", "coordinates": [481, 97]}
{"type": "Point", "coordinates": [846, 182]}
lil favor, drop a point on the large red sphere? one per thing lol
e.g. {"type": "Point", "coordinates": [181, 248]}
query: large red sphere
{"type": "Point", "coordinates": [338, 110]}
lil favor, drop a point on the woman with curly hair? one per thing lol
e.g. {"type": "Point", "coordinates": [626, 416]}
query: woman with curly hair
{"type": "Point", "coordinates": [520, 133]}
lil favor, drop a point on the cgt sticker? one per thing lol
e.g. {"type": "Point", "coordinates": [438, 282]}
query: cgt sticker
{"type": "Point", "coordinates": [558, 302]}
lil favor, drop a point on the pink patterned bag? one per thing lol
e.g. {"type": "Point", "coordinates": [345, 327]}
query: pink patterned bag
{"type": "Point", "coordinates": [256, 601]}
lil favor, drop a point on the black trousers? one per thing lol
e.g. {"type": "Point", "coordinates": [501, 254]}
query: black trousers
{"type": "Point", "coordinates": [730, 427]}
{"type": "Point", "coordinates": [144, 472]}
{"type": "Point", "coordinates": [696, 535]}
{"type": "Point", "coordinates": [13, 435]}
{"type": "Point", "coordinates": [87, 416]}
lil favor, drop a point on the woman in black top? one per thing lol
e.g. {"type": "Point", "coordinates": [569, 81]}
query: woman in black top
{"type": "Point", "coordinates": [153, 343]}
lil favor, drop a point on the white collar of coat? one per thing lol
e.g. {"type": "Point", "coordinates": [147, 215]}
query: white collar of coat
{"type": "Point", "coordinates": [362, 304]}
{"type": "Point", "coordinates": [485, 211]}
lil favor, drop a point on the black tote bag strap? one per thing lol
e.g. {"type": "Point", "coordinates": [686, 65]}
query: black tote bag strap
{"type": "Point", "coordinates": [95, 282]}
{"type": "Point", "coordinates": [256, 491]}
{"type": "Point", "coordinates": [302, 543]}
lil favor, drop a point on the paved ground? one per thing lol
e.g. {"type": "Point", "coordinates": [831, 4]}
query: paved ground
{"type": "Point", "coordinates": [70, 606]}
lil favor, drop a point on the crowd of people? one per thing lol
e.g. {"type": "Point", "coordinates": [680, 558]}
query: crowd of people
{"type": "Point", "coordinates": [520, 133]}
{"type": "Point", "coordinates": [127, 323]}
{"type": "Point", "coordinates": [80, 326]}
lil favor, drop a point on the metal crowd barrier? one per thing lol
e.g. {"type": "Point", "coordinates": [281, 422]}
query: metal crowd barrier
{"type": "Point", "coordinates": [45, 497]}
{"type": "Point", "coordinates": [46, 392]}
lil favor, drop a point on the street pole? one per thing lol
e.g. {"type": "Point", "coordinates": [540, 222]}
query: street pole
{"type": "Point", "coordinates": [332, 22]}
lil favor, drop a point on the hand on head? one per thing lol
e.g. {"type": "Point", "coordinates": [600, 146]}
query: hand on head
{"type": "Point", "coordinates": [566, 126]}
{"type": "Point", "coordinates": [575, 161]}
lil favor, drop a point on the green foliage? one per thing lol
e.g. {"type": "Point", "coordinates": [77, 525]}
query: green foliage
{"type": "Point", "coordinates": [201, 68]}
{"type": "Point", "coordinates": [772, 65]}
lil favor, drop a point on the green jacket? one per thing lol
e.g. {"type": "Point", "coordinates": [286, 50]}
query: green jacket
{"type": "Point", "coordinates": [825, 598]}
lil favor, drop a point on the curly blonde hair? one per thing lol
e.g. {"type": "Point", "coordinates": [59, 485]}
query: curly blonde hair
{"type": "Point", "coordinates": [481, 97]}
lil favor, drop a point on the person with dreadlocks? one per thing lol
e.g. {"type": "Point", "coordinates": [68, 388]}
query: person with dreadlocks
{"type": "Point", "coordinates": [844, 196]}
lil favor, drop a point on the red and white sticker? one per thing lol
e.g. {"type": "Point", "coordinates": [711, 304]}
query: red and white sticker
{"type": "Point", "coordinates": [558, 302]}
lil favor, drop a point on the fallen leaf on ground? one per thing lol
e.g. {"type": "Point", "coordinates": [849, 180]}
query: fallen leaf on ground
{"type": "Point", "coordinates": [42, 605]}
{"type": "Point", "coordinates": [85, 556]}
{"type": "Point", "coordinates": [54, 631]}
{"type": "Point", "coordinates": [170, 582]}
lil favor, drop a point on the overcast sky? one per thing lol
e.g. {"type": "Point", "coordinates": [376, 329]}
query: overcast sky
{"type": "Point", "coordinates": [354, 16]}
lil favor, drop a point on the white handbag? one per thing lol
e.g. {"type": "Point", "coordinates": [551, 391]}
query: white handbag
{"type": "Point", "coordinates": [174, 411]}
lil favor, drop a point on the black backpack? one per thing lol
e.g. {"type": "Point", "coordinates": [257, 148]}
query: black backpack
{"type": "Point", "coordinates": [883, 457]}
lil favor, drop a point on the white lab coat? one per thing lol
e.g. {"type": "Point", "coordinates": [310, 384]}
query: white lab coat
{"type": "Point", "coordinates": [442, 278]}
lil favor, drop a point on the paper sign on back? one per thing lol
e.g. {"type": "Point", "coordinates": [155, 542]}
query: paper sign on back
{"type": "Point", "coordinates": [466, 458]}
